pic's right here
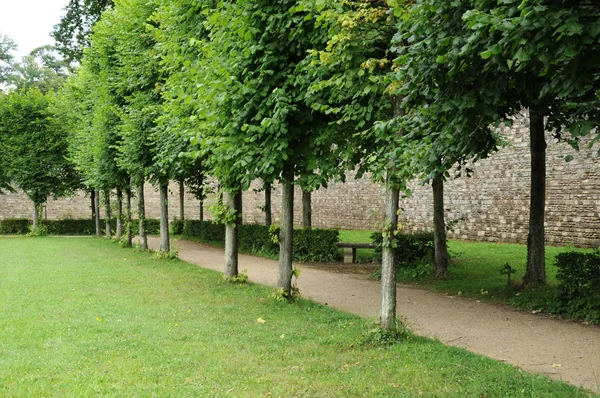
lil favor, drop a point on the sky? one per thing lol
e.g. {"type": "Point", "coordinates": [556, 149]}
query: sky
{"type": "Point", "coordinates": [29, 22]}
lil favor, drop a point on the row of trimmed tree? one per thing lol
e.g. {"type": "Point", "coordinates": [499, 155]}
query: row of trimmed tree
{"type": "Point", "coordinates": [300, 92]}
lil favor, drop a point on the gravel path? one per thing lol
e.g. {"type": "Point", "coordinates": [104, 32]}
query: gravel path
{"type": "Point", "coordinates": [560, 349]}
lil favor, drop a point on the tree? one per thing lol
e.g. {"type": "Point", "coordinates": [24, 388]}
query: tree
{"type": "Point", "coordinates": [539, 55]}
{"type": "Point", "coordinates": [453, 104]}
{"type": "Point", "coordinates": [352, 78]}
{"type": "Point", "coordinates": [122, 45]}
{"type": "Point", "coordinates": [72, 32]}
{"type": "Point", "coordinates": [262, 126]}
{"type": "Point", "coordinates": [35, 146]}
{"type": "Point", "coordinates": [6, 58]}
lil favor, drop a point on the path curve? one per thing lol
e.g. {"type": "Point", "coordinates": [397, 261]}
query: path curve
{"type": "Point", "coordinates": [561, 349]}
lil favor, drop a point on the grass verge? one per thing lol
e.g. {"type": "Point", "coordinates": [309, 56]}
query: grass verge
{"type": "Point", "coordinates": [474, 272]}
{"type": "Point", "coordinates": [83, 317]}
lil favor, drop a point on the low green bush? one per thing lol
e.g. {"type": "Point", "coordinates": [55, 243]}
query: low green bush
{"type": "Point", "coordinates": [316, 245]}
{"type": "Point", "coordinates": [412, 248]}
{"type": "Point", "coordinates": [255, 238]}
{"type": "Point", "coordinates": [578, 279]}
{"type": "Point", "coordinates": [71, 226]}
{"type": "Point", "coordinates": [152, 226]}
{"type": "Point", "coordinates": [14, 226]}
{"type": "Point", "coordinates": [313, 245]}
{"type": "Point", "coordinates": [177, 226]}
{"type": "Point", "coordinates": [204, 230]}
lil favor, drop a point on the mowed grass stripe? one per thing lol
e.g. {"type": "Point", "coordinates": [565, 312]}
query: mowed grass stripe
{"type": "Point", "coordinates": [84, 317]}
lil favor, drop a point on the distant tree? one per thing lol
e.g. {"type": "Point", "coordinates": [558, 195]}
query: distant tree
{"type": "Point", "coordinates": [6, 58]}
{"type": "Point", "coordinates": [42, 68]}
{"type": "Point", "coordinates": [72, 32]}
{"type": "Point", "coordinates": [35, 147]}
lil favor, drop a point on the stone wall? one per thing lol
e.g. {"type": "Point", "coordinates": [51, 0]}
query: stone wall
{"type": "Point", "coordinates": [492, 205]}
{"type": "Point", "coordinates": [17, 205]}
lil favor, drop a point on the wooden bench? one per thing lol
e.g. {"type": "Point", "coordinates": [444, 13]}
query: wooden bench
{"type": "Point", "coordinates": [350, 249]}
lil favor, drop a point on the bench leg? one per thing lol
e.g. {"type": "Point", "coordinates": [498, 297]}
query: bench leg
{"type": "Point", "coordinates": [349, 255]}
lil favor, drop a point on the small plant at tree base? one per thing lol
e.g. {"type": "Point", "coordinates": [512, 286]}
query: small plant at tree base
{"type": "Point", "coordinates": [281, 295]}
{"type": "Point", "coordinates": [376, 336]}
{"type": "Point", "coordinates": [240, 278]}
{"type": "Point", "coordinates": [123, 242]}
{"type": "Point", "coordinates": [165, 255]}
{"type": "Point", "coordinates": [507, 270]}
{"type": "Point", "coordinates": [41, 230]}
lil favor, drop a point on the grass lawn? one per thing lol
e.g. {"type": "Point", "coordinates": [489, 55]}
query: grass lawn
{"type": "Point", "coordinates": [83, 317]}
{"type": "Point", "coordinates": [475, 272]}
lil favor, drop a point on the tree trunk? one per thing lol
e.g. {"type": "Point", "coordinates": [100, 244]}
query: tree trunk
{"type": "Point", "coordinates": [128, 216]}
{"type": "Point", "coordinates": [36, 217]}
{"type": "Point", "coordinates": [93, 200]}
{"type": "Point", "coordinates": [201, 211]}
{"type": "Point", "coordinates": [201, 196]}
{"type": "Point", "coordinates": [233, 201]}
{"type": "Point", "coordinates": [268, 213]}
{"type": "Point", "coordinates": [286, 238]}
{"type": "Point", "coordinates": [164, 217]}
{"type": "Point", "coordinates": [97, 208]}
{"type": "Point", "coordinates": [119, 232]}
{"type": "Point", "coordinates": [388, 261]}
{"type": "Point", "coordinates": [536, 268]}
{"type": "Point", "coordinates": [142, 217]}
{"type": "Point", "coordinates": [108, 214]}
{"type": "Point", "coordinates": [181, 200]}
{"type": "Point", "coordinates": [439, 228]}
{"type": "Point", "coordinates": [306, 210]}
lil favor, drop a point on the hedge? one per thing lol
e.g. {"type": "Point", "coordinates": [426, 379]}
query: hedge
{"type": "Point", "coordinates": [412, 248]}
{"type": "Point", "coordinates": [317, 245]}
{"type": "Point", "coordinates": [70, 226]}
{"type": "Point", "coordinates": [14, 226]}
{"type": "Point", "coordinates": [204, 230]}
{"type": "Point", "coordinates": [578, 279]}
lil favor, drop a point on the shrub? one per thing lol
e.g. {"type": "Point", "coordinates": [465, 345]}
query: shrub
{"type": "Point", "coordinates": [152, 226]}
{"type": "Point", "coordinates": [412, 248]}
{"type": "Point", "coordinates": [205, 230]}
{"type": "Point", "coordinates": [255, 238]}
{"type": "Point", "coordinates": [12, 226]}
{"type": "Point", "coordinates": [578, 279]}
{"type": "Point", "coordinates": [314, 245]}
{"type": "Point", "coordinates": [71, 227]}
{"type": "Point", "coordinates": [177, 226]}
{"type": "Point", "coordinates": [309, 245]}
